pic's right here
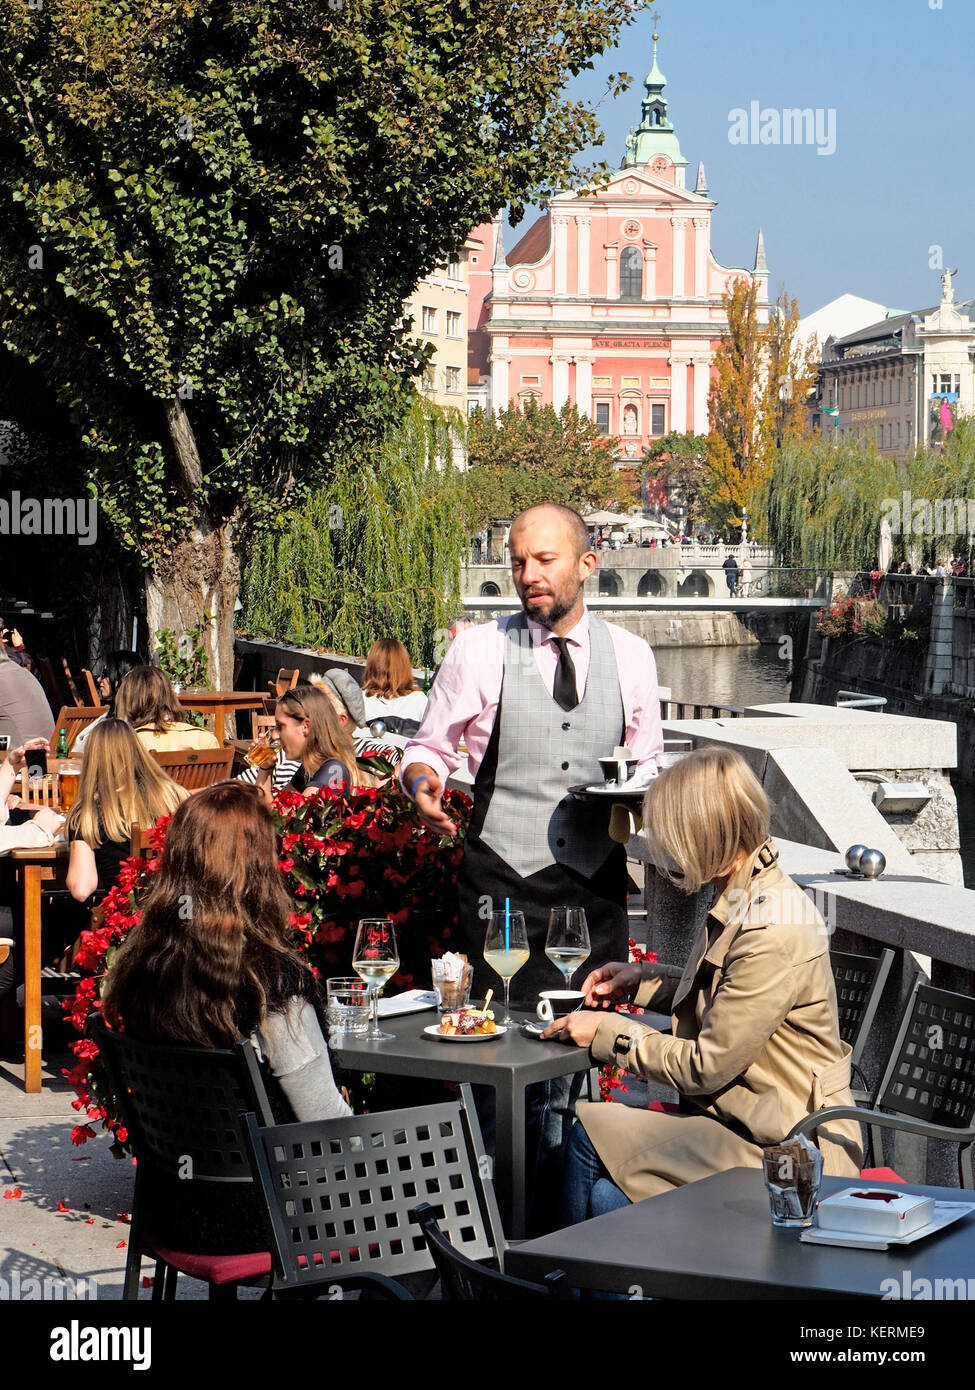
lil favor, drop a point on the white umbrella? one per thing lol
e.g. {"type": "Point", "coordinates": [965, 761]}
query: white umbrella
{"type": "Point", "coordinates": [640, 523]}
{"type": "Point", "coordinates": [603, 518]}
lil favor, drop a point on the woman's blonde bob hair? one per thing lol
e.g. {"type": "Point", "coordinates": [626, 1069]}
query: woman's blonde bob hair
{"type": "Point", "coordinates": [702, 813]}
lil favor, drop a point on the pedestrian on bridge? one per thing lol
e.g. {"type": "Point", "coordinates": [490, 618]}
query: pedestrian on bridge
{"type": "Point", "coordinates": [730, 568]}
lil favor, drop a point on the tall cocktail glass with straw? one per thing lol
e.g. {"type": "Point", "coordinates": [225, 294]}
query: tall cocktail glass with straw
{"type": "Point", "coordinates": [506, 948]}
{"type": "Point", "coordinates": [375, 957]}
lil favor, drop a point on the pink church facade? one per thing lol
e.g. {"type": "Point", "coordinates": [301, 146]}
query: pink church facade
{"type": "Point", "coordinates": [612, 300]}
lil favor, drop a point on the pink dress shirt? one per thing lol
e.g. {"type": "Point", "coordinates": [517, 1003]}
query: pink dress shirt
{"type": "Point", "coordinates": [464, 700]}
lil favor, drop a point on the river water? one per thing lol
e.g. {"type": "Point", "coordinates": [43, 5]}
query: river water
{"type": "Point", "coordinates": [757, 676]}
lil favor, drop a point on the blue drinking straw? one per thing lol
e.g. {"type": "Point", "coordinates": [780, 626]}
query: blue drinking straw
{"type": "Point", "coordinates": [507, 925]}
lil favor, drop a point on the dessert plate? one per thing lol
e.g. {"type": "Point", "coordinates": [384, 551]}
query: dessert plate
{"type": "Point", "coordinates": [434, 1032]}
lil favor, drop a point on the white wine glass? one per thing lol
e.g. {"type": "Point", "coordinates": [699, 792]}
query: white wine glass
{"type": "Point", "coordinates": [567, 944]}
{"type": "Point", "coordinates": [506, 950]}
{"type": "Point", "coordinates": [375, 957]}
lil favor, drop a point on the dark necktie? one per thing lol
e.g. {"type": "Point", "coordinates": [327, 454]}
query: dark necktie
{"type": "Point", "coordinates": [566, 696]}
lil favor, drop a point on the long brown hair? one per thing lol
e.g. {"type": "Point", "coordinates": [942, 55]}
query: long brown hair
{"type": "Point", "coordinates": [147, 700]}
{"type": "Point", "coordinates": [210, 959]}
{"type": "Point", "coordinates": [121, 785]}
{"type": "Point", "coordinates": [327, 737]}
{"type": "Point", "coordinates": [388, 671]}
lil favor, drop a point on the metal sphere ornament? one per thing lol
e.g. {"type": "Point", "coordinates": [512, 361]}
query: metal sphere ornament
{"type": "Point", "coordinates": [872, 863]}
{"type": "Point", "coordinates": [853, 857]}
{"type": "Point", "coordinates": [377, 728]}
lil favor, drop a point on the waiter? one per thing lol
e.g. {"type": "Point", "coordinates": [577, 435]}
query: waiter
{"type": "Point", "coordinates": [538, 699]}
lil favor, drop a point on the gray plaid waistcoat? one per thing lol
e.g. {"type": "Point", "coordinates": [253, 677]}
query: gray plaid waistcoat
{"type": "Point", "coordinates": [542, 750]}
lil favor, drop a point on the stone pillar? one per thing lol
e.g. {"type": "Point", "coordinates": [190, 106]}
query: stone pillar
{"type": "Point", "coordinates": [500, 389]}
{"type": "Point", "coordinates": [937, 667]}
{"type": "Point", "coordinates": [678, 394]}
{"type": "Point", "coordinates": [583, 223]}
{"type": "Point", "coordinates": [560, 229]}
{"type": "Point", "coordinates": [679, 225]}
{"type": "Point", "coordinates": [649, 270]}
{"type": "Point", "coordinates": [560, 379]}
{"type": "Point", "coordinates": [700, 257]}
{"type": "Point", "coordinates": [584, 366]}
{"type": "Point", "coordinates": [702, 387]}
{"type": "Point", "coordinates": [612, 249]}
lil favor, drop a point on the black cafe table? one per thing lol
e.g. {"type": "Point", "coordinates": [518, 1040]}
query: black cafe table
{"type": "Point", "coordinates": [714, 1239]}
{"type": "Point", "coordinates": [509, 1063]}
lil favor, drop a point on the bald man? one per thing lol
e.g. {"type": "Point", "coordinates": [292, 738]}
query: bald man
{"type": "Point", "coordinates": [537, 699]}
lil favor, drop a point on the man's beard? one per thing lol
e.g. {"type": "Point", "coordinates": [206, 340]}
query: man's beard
{"type": "Point", "coordinates": [560, 607]}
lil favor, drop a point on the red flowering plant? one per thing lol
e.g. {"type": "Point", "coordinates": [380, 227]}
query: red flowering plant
{"type": "Point", "coordinates": [345, 855]}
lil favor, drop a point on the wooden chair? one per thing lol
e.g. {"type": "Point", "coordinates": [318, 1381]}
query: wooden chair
{"type": "Point", "coordinates": [74, 718]}
{"type": "Point", "coordinates": [43, 792]}
{"type": "Point", "coordinates": [285, 680]}
{"type": "Point", "coordinates": [93, 691]}
{"type": "Point", "coordinates": [261, 723]}
{"type": "Point", "coordinates": [194, 768]}
{"type": "Point", "coordinates": [139, 847]}
{"type": "Point", "coordinates": [50, 683]}
{"type": "Point", "coordinates": [76, 694]}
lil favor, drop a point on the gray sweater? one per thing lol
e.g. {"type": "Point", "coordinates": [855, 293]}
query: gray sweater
{"type": "Point", "coordinates": [297, 1054]}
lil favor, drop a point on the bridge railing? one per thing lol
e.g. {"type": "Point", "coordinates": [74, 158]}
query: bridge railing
{"type": "Point", "coordinates": [692, 709]}
{"type": "Point", "coordinates": [787, 583]}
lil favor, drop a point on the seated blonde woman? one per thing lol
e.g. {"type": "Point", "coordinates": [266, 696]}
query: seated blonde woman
{"type": "Point", "coordinates": [755, 1044]}
{"type": "Point", "coordinates": [121, 787]}
{"type": "Point", "coordinates": [147, 701]}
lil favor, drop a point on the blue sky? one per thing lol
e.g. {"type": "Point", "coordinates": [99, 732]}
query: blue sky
{"type": "Point", "coordinates": [897, 73]}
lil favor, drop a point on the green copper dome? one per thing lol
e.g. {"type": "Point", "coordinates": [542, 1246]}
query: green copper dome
{"type": "Point", "coordinates": [655, 133]}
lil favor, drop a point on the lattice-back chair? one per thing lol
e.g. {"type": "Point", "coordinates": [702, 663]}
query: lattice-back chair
{"type": "Point", "coordinates": [341, 1194]}
{"type": "Point", "coordinates": [74, 718]}
{"type": "Point", "coordinates": [91, 686]}
{"type": "Point", "coordinates": [194, 768]}
{"type": "Point", "coordinates": [928, 1085]}
{"type": "Point", "coordinates": [860, 982]}
{"type": "Point", "coordinates": [464, 1280]}
{"type": "Point", "coordinates": [184, 1109]}
{"type": "Point", "coordinates": [262, 724]}
{"type": "Point", "coordinates": [284, 680]}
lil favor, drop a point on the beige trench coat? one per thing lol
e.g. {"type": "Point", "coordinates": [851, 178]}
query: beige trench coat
{"type": "Point", "coordinates": [755, 1044]}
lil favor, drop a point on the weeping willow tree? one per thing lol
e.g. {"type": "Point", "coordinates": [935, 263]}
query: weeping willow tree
{"type": "Point", "coordinates": [376, 553]}
{"type": "Point", "coordinates": [824, 502]}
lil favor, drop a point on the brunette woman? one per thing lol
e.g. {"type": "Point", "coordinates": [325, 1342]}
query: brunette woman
{"type": "Point", "coordinates": [310, 734]}
{"type": "Point", "coordinates": [389, 689]}
{"type": "Point", "coordinates": [121, 786]}
{"type": "Point", "coordinates": [221, 971]}
{"type": "Point", "coordinates": [148, 702]}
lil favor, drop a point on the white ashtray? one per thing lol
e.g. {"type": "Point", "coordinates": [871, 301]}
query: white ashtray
{"type": "Point", "coordinates": [875, 1211]}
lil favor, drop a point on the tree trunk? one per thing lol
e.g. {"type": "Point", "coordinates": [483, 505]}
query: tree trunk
{"type": "Point", "coordinates": [200, 575]}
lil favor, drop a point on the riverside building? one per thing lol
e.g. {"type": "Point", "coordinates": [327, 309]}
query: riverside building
{"type": "Point", "coordinates": [613, 299]}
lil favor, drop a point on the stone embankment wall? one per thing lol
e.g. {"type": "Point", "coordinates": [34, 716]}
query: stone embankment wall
{"type": "Point", "coordinates": [685, 629]}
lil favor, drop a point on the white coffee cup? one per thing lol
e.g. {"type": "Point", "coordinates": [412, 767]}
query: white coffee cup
{"type": "Point", "coordinates": [557, 1003]}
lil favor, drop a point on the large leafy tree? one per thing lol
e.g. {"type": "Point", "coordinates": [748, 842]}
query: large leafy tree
{"type": "Point", "coordinates": [738, 442]}
{"type": "Point", "coordinates": [680, 466]}
{"type": "Point", "coordinates": [522, 456]}
{"type": "Point", "coordinates": [213, 211]}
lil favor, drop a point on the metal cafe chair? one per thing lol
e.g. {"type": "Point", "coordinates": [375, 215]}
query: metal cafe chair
{"type": "Point", "coordinates": [465, 1281]}
{"type": "Point", "coordinates": [341, 1195]}
{"type": "Point", "coordinates": [860, 982]}
{"type": "Point", "coordinates": [928, 1085]}
{"type": "Point", "coordinates": [181, 1103]}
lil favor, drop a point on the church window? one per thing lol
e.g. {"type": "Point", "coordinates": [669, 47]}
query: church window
{"type": "Point", "coordinates": [631, 273]}
{"type": "Point", "coordinates": [657, 421]}
{"type": "Point", "coordinates": [602, 417]}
